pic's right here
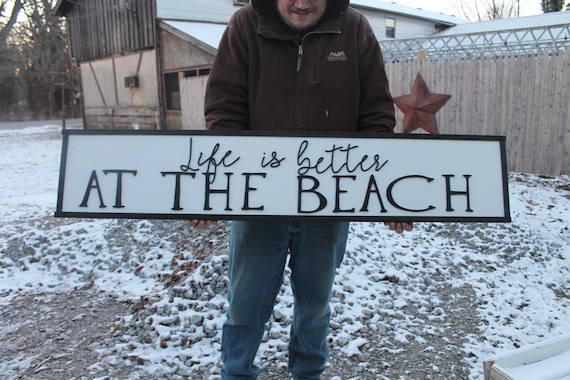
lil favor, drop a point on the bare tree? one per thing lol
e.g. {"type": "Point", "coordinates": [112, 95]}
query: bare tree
{"type": "Point", "coordinates": [8, 18]}
{"type": "Point", "coordinates": [9, 82]}
{"type": "Point", "coordinates": [42, 63]}
{"type": "Point", "coordinates": [482, 10]}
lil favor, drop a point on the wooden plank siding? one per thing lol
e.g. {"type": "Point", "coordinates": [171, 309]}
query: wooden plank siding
{"type": "Point", "coordinates": [109, 103]}
{"type": "Point", "coordinates": [192, 94]}
{"type": "Point", "coordinates": [102, 28]}
{"type": "Point", "coordinates": [123, 118]}
{"type": "Point", "coordinates": [525, 98]}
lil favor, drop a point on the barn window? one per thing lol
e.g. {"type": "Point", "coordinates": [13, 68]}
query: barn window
{"type": "Point", "coordinates": [196, 72]}
{"type": "Point", "coordinates": [172, 91]}
{"type": "Point", "coordinates": [390, 27]}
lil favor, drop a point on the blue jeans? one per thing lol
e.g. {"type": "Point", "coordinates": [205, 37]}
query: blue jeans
{"type": "Point", "coordinates": [258, 253]}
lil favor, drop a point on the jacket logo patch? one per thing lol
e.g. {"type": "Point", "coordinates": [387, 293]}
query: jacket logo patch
{"type": "Point", "coordinates": [337, 56]}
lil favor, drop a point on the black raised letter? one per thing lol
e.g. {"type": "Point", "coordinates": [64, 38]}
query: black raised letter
{"type": "Point", "coordinates": [391, 197]}
{"type": "Point", "coordinates": [119, 189]}
{"type": "Point", "coordinates": [216, 191]}
{"type": "Point", "coordinates": [372, 183]}
{"type": "Point", "coordinates": [449, 193]}
{"type": "Point", "coordinates": [176, 206]}
{"type": "Point", "coordinates": [93, 184]}
{"type": "Point", "coordinates": [248, 189]}
{"type": "Point", "coordinates": [322, 199]}
{"type": "Point", "coordinates": [340, 191]}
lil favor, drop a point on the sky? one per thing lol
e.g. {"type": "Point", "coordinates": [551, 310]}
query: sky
{"type": "Point", "coordinates": [528, 7]}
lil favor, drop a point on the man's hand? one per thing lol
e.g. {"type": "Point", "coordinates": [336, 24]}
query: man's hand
{"type": "Point", "coordinates": [400, 227]}
{"type": "Point", "coordinates": [200, 224]}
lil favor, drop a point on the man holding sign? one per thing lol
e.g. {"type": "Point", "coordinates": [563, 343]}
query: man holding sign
{"type": "Point", "coordinates": [298, 66]}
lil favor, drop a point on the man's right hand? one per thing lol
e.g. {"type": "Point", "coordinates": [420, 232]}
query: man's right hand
{"type": "Point", "coordinates": [400, 227]}
{"type": "Point", "coordinates": [200, 224]}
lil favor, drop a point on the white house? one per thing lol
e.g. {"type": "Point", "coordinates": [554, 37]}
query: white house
{"type": "Point", "coordinates": [548, 32]}
{"type": "Point", "coordinates": [389, 20]}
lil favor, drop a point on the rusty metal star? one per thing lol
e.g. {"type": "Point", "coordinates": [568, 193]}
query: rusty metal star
{"type": "Point", "coordinates": [420, 106]}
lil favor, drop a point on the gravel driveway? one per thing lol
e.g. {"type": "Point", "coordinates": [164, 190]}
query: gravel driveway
{"type": "Point", "coordinates": [70, 335]}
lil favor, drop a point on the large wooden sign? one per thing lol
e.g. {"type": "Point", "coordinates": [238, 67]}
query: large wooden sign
{"type": "Point", "coordinates": [197, 174]}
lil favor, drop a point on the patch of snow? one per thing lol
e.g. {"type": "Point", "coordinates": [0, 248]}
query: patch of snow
{"type": "Point", "coordinates": [389, 284]}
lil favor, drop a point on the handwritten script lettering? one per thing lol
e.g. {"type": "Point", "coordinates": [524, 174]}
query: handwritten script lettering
{"type": "Point", "coordinates": [337, 159]}
{"type": "Point", "coordinates": [212, 161]}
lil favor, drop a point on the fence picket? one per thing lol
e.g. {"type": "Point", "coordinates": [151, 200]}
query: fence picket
{"type": "Point", "coordinates": [525, 97]}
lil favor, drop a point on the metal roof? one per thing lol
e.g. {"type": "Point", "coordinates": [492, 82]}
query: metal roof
{"type": "Point", "coordinates": [386, 6]}
{"type": "Point", "coordinates": [546, 33]}
{"type": "Point", "coordinates": [209, 33]}
{"type": "Point", "coordinates": [526, 22]}
{"type": "Point", "coordinates": [195, 10]}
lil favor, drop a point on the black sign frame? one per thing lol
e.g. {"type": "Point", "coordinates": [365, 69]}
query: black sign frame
{"type": "Point", "coordinates": [499, 164]}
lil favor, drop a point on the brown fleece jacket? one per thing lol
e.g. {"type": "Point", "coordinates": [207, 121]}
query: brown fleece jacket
{"type": "Point", "coordinates": [266, 77]}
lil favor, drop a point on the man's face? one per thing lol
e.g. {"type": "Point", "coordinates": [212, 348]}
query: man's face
{"type": "Point", "coordinates": [301, 15]}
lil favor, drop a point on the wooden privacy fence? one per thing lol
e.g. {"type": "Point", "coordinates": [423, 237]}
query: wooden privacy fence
{"type": "Point", "coordinates": [525, 98]}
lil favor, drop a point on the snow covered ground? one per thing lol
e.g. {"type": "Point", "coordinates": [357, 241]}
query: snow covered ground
{"type": "Point", "coordinates": [390, 287]}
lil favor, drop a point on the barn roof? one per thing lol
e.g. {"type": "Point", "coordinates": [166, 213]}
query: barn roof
{"type": "Point", "coordinates": [208, 33]}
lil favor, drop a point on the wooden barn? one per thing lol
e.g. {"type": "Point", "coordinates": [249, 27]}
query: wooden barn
{"type": "Point", "coordinates": [137, 70]}
{"type": "Point", "coordinates": [143, 64]}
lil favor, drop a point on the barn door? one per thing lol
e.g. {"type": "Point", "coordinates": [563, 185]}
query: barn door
{"type": "Point", "coordinates": [192, 92]}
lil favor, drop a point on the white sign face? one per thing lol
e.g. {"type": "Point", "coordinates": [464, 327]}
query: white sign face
{"type": "Point", "coordinates": [206, 175]}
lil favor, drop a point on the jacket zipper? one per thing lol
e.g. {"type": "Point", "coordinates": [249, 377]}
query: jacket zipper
{"type": "Point", "coordinates": [299, 57]}
{"type": "Point", "coordinates": [300, 86]}
{"type": "Point", "coordinates": [300, 50]}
